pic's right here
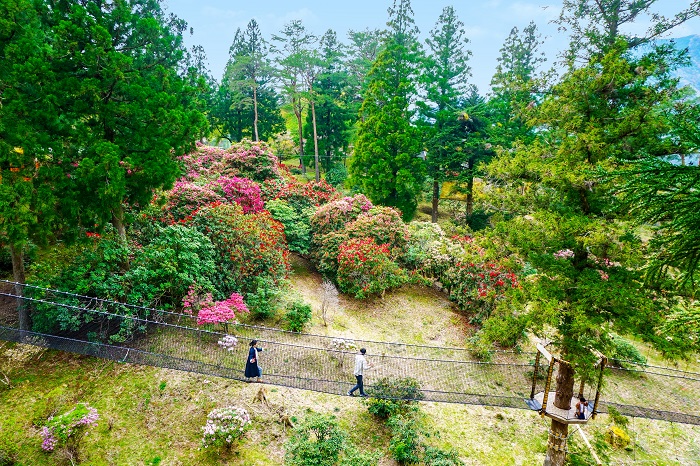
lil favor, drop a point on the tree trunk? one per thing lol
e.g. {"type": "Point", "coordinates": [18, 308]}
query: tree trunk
{"type": "Point", "coordinates": [436, 199]}
{"type": "Point", "coordinates": [118, 222]}
{"type": "Point", "coordinates": [313, 123]}
{"type": "Point", "coordinates": [17, 253]}
{"type": "Point", "coordinates": [297, 112]}
{"type": "Point", "coordinates": [556, 446]}
{"type": "Point", "coordinates": [255, 113]}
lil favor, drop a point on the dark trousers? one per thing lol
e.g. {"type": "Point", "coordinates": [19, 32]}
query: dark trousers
{"type": "Point", "coordinates": [359, 386]}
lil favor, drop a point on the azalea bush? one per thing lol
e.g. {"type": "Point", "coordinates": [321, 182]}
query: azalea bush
{"type": "Point", "coordinates": [478, 286]}
{"type": "Point", "coordinates": [334, 215]}
{"type": "Point", "coordinates": [68, 429]}
{"type": "Point", "coordinates": [224, 426]}
{"type": "Point", "coordinates": [210, 312]}
{"type": "Point", "coordinates": [186, 198]}
{"type": "Point", "coordinates": [366, 268]}
{"type": "Point", "coordinates": [242, 191]}
{"type": "Point", "coordinates": [248, 246]}
{"type": "Point", "coordinates": [389, 396]}
{"type": "Point", "coordinates": [246, 159]}
{"type": "Point", "coordinates": [384, 225]}
{"type": "Point", "coordinates": [298, 314]}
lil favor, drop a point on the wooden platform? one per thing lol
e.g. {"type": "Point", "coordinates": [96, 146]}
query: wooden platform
{"type": "Point", "coordinates": [562, 415]}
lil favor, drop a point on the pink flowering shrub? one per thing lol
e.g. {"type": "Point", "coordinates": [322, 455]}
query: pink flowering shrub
{"type": "Point", "coordinates": [209, 311]}
{"type": "Point", "coordinates": [311, 194]}
{"type": "Point", "coordinates": [185, 198]}
{"type": "Point", "coordinates": [334, 215]}
{"type": "Point", "coordinates": [224, 426]}
{"type": "Point", "coordinates": [242, 191]}
{"type": "Point", "coordinates": [246, 159]}
{"type": "Point", "coordinates": [68, 428]}
{"type": "Point", "coordinates": [385, 226]}
{"type": "Point", "coordinates": [366, 268]}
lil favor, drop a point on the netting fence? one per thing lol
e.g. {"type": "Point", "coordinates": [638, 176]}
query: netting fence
{"type": "Point", "coordinates": [155, 337]}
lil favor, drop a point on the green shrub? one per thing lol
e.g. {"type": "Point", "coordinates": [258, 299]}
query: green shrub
{"type": "Point", "coordinates": [298, 314]}
{"type": "Point", "coordinates": [261, 302]}
{"type": "Point", "coordinates": [624, 351]}
{"type": "Point", "coordinates": [617, 418]}
{"type": "Point", "coordinates": [390, 396]}
{"type": "Point", "coordinates": [297, 227]}
{"type": "Point", "coordinates": [316, 441]}
{"type": "Point", "coordinates": [9, 451]}
{"type": "Point", "coordinates": [337, 175]}
{"type": "Point", "coordinates": [405, 444]}
{"type": "Point", "coordinates": [433, 456]}
{"type": "Point", "coordinates": [353, 457]}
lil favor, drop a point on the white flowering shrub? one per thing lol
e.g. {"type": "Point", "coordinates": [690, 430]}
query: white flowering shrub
{"type": "Point", "coordinates": [228, 342]}
{"type": "Point", "coordinates": [224, 426]}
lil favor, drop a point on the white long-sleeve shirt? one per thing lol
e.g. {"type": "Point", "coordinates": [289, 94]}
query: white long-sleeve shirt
{"type": "Point", "coordinates": [360, 365]}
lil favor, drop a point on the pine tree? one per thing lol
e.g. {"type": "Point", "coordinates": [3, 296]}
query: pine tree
{"type": "Point", "coordinates": [291, 47]}
{"type": "Point", "coordinates": [248, 71]}
{"type": "Point", "coordinates": [445, 79]}
{"type": "Point", "coordinates": [385, 165]}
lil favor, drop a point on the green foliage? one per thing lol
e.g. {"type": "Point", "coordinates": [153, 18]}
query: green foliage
{"type": "Point", "coordinates": [337, 175]}
{"type": "Point", "coordinates": [433, 456]}
{"type": "Point", "coordinates": [405, 444]}
{"type": "Point", "coordinates": [617, 418]}
{"type": "Point", "coordinates": [298, 314]}
{"type": "Point", "coordinates": [385, 166]}
{"type": "Point", "coordinates": [390, 396]}
{"type": "Point", "coordinates": [354, 457]}
{"type": "Point", "coordinates": [263, 299]}
{"type": "Point", "coordinates": [623, 351]}
{"type": "Point", "coordinates": [297, 228]}
{"type": "Point", "coordinates": [9, 451]}
{"type": "Point", "coordinates": [316, 441]}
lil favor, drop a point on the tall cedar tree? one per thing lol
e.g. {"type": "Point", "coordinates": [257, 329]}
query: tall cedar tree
{"type": "Point", "coordinates": [363, 50]}
{"type": "Point", "coordinates": [28, 127]}
{"type": "Point", "coordinates": [333, 103]}
{"type": "Point", "coordinates": [515, 85]}
{"type": "Point", "coordinates": [291, 47]}
{"type": "Point", "coordinates": [587, 261]}
{"type": "Point", "coordinates": [445, 79]}
{"type": "Point", "coordinates": [128, 109]}
{"type": "Point", "coordinates": [248, 72]}
{"type": "Point", "coordinates": [385, 164]}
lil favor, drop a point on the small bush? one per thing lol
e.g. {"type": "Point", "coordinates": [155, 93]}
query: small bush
{"type": "Point", "coordinates": [316, 441]}
{"type": "Point", "coordinates": [224, 426]}
{"type": "Point", "coordinates": [617, 418]}
{"type": "Point", "coordinates": [389, 396]}
{"type": "Point", "coordinates": [365, 268]}
{"type": "Point", "coordinates": [624, 351]}
{"type": "Point", "coordinates": [353, 457]}
{"type": "Point", "coordinates": [433, 456]}
{"type": "Point", "coordinates": [405, 444]}
{"type": "Point", "coordinates": [298, 314]}
{"type": "Point", "coordinates": [337, 175]}
{"type": "Point", "coordinates": [297, 228]}
{"type": "Point", "coordinates": [68, 429]}
{"type": "Point", "coordinates": [262, 301]}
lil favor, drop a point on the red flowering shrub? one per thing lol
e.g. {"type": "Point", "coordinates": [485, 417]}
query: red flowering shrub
{"type": "Point", "coordinates": [365, 268]}
{"type": "Point", "coordinates": [248, 246]}
{"type": "Point", "coordinates": [242, 191]}
{"type": "Point", "coordinates": [303, 195]}
{"type": "Point", "coordinates": [478, 286]}
{"type": "Point", "coordinates": [185, 198]}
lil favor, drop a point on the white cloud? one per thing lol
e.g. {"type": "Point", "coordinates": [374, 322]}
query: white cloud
{"type": "Point", "coordinates": [220, 13]}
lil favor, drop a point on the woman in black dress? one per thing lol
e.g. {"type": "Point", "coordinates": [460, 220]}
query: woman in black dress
{"type": "Point", "coordinates": [252, 368]}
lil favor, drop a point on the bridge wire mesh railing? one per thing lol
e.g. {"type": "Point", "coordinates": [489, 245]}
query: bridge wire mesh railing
{"type": "Point", "coordinates": [313, 362]}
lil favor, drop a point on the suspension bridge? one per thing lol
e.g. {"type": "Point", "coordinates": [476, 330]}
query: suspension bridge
{"type": "Point", "coordinates": [155, 337]}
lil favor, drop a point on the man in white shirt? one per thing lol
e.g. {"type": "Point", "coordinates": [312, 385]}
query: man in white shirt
{"type": "Point", "coordinates": [361, 365]}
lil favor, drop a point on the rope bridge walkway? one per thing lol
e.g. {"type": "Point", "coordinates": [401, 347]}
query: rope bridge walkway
{"type": "Point", "coordinates": [154, 337]}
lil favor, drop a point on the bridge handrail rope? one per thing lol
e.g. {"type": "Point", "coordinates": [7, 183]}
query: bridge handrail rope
{"type": "Point", "coordinates": [305, 361]}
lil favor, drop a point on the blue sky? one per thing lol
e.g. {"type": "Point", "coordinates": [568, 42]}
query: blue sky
{"type": "Point", "coordinates": [487, 23]}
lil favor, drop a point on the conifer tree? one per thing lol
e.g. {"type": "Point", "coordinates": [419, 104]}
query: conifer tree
{"type": "Point", "coordinates": [445, 78]}
{"type": "Point", "coordinates": [385, 164]}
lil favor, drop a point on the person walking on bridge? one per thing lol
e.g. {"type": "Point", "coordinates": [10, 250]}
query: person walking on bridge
{"type": "Point", "coordinates": [361, 365]}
